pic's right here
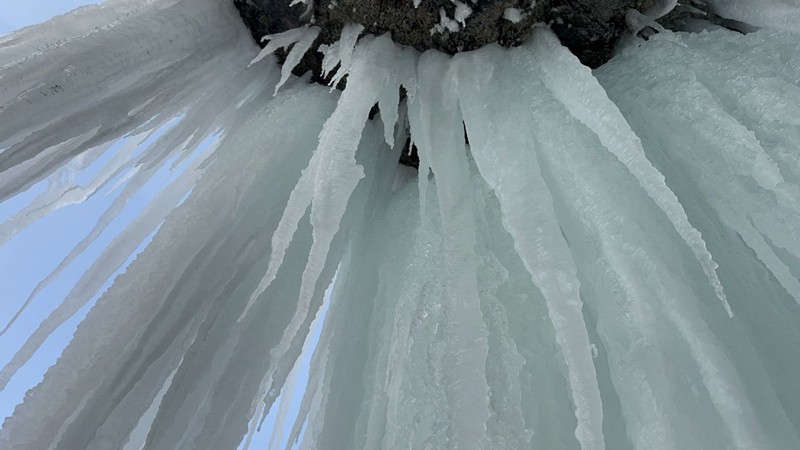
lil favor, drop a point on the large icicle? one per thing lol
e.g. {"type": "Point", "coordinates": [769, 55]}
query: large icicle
{"type": "Point", "coordinates": [678, 120]}
{"type": "Point", "coordinates": [505, 153]}
{"type": "Point", "coordinates": [380, 168]}
{"type": "Point", "coordinates": [574, 85]}
{"type": "Point", "coordinates": [745, 155]}
{"type": "Point", "coordinates": [441, 137]}
{"type": "Point", "coordinates": [628, 255]}
{"type": "Point", "coordinates": [380, 67]}
{"type": "Point", "coordinates": [338, 143]}
{"type": "Point", "coordinates": [330, 178]}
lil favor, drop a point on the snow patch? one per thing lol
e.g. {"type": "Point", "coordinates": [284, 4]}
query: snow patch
{"type": "Point", "coordinates": [513, 15]}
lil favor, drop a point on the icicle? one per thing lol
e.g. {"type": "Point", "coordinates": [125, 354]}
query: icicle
{"type": "Point", "coordinates": [739, 144]}
{"type": "Point", "coordinates": [17, 178]}
{"type": "Point", "coordinates": [202, 81]}
{"type": "Point", "coordinates": [331, 177]}
{"type": "Point", "coordinates": [343, 345]}
{"type": "Point", "coordinates": [296, 54]}
{"type": "Point", "coordinates": [287, 402]}
{"type": "Point", "coordinates": [388, 103]}
{"type": "Point", "coordinates": [354, 108]}
{"type": "Point", "coordinates": [281, 40]}
{"type": "Point", "coordinates": [441, 136]}
{"type": "Point", "coordinates": [505, 153]}
{"type": "Point", "coordinates": [340, 53]}
{"type": "Point", "coordinates": [331, 57]}
{"type": "Point", "coordinates": [576, 91]}
{"type": "Point", "coordinates": [63, 191]}
{"type": "Point", "coordinates": [105, 265]}
{"type": "Point", "coordinates": [402, 72]}
{"type": "Point", "coordinates": [634, 268]}
{"type": "Point", "coordinates": [300, 39]}
{"type": "Point", "coordinates": [299, 200]}
{"type": "Point", "coordinates": [677, 120]}
{"type": "Point", "coordinates": [338, 142]}
{"type": "Point", "coordinates": [280, 298]}
{"type": "Point", "coordinates": [415, 124]}
{"type": "Point", "coordinates": [145, 165]}
{"type": "Point", "coordinates": [312, 395]}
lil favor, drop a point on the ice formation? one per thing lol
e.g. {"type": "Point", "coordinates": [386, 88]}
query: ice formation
{"type": "Point", "coordinates": [586, 260]}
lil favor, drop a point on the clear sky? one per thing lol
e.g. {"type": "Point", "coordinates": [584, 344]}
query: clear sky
{"type": "Point", "coordinates": [15, 14]}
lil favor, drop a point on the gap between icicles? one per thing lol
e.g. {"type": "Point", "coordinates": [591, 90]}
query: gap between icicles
{"type": "Point", "coordinates": [446, 95]}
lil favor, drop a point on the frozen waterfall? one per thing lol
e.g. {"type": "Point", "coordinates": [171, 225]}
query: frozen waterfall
{"type": "Point", "coordinates": [590, 260]}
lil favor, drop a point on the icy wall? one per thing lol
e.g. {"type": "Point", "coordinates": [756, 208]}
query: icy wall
{"type": "Point", "coordinates": [585, 260]}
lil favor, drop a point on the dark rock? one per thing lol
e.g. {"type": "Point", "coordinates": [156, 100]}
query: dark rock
{"type": "Point", "coordinates": [589, 28]}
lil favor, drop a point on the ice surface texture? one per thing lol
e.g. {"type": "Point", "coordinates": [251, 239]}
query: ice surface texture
{"type": "Point", "coordinates": [610, 259]}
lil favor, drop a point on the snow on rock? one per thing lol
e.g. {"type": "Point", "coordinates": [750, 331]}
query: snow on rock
{"type": "Point", "coordinates": [513, 15]}
{"type": "Point", "coordinates": [454, 24]}
{"type": "Point", "coordinates": [462, 12]}
{"type": "Point", "coordinates": [445, 23]}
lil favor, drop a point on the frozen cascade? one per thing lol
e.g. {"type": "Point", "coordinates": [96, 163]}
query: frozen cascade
{"type": "Point", "coordinates": [542, 284]}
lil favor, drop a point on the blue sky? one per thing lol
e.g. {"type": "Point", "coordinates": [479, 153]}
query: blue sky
{"type": "Point", "coordinates": [15, 14]}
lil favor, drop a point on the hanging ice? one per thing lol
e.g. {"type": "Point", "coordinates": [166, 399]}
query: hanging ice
{"type": "Point", "coordinates": [542, 284]}
{"type": "Point", "coordinates": [299, 39]}
{"type": "Point", "coordinates": [500, 150]}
